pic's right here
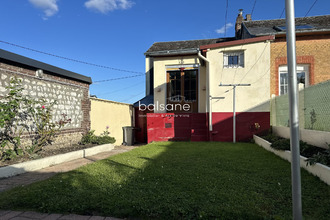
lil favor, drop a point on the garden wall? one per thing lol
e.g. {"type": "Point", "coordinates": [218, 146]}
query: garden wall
{"type": "Point", "coordinates": [316, 138]}
{"type": "Point", "coordinates": [115, 115]}
{"type": "Point", "coordinates": [72, 95]}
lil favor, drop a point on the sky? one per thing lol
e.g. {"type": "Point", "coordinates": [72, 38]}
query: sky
{"type": "Point", "coordinates": [113, 35]}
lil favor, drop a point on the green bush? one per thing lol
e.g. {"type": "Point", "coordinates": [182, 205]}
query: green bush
{"type": "Point", "coordinates": [91, 138]}
{"type": "Point", "coordinates": [314, 154]}
{"type": "Point", "coordinates": [281, 144]}
{"type": "Point", "coordinates": [320, 157]}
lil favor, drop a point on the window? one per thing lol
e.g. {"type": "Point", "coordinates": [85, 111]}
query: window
{"type": "Point", "coordinates": [302, 78]}
{"type": "Point", "coordinates": [298, 27]}
{"type": "Point", "coordinates": [233, 59]}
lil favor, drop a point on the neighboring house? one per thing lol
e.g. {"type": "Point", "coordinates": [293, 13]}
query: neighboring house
{"type": "Point", "coordinates": [312, 48]}
{"type": "Point", "coordinates": [41, 80]}
{"type": "Point", "coordinates": [186, 77]}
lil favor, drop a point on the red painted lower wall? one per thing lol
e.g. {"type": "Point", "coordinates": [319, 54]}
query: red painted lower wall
{"type": "Point", "coordinates": [247, 124]}
{"type": "Point", "coordinates": [193, 126]}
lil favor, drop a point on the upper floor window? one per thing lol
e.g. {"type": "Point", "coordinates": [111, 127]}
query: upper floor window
{"type": "Point", "coordinates": [302, 77]}
{"type": "Point", "coordinates": [233, 59]}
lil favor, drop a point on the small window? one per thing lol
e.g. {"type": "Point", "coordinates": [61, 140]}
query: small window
{"type": "Point", "coordinates": [298, 27]}
{"type": "Point", "coordinates": [233, 59]}
{"type": "Point", "coordinates": [302, 78]}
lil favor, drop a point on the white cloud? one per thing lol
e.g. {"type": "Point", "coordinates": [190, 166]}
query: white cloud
{"type": "Point", "coordinates": [49, 7]}
{"type": "Point", "coordinates": [105, 6]}
{"type": "Point", "coordinates": [224, 28]}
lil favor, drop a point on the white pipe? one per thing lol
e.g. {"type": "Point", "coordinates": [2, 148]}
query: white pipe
{"type": "Point", "coordinates": [208, 89]}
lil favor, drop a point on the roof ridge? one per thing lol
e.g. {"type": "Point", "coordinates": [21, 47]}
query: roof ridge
{"type": "Point", "coordinates": [279, 19]}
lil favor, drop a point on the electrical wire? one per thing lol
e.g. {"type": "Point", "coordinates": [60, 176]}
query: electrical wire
{"type": "Point", "coordinates": [119, 78]}
{"type": "Point", "coordinates": [254, 5]}
{"type": "Point", "coordinates": [70, 59]}
{"type": "Point", "coordinates": [125, 100]}
{"type": "Point", "coordinates": [226, 14]}
{"type": "Point", "coordinates": [310, 8]}
{"type": "Point", "coordinates": [282, 13]}
{"type": "Point", "coordinates": [119, 90]}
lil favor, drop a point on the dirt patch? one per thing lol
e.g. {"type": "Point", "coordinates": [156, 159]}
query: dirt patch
{"type": "Point", "coordinates": [46, 152]}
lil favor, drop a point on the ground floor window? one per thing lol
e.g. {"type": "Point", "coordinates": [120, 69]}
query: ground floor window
{"type": "Point", "coordinates": [302, 77]}
{"type": "Point", "coordinates": [183, 87]}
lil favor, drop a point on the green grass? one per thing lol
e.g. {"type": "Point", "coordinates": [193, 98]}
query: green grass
{"type": "Point", "coordinates": [178, 180]}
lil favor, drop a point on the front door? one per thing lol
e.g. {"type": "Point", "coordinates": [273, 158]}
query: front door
{"type": "Point", "coordinates": [182, 90]}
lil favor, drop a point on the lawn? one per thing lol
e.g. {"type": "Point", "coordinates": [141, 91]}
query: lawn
{"type": "Point", "coordinates": [177, 180]}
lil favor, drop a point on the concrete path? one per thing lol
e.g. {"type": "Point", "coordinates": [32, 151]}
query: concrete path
{"type": "Point", "coordinates": [31, 177]}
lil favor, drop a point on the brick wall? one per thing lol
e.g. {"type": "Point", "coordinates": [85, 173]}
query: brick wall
{"type": "Point", "coordinates": [72, 97]}
{"type": "Point", "coordinates": [312, 50]}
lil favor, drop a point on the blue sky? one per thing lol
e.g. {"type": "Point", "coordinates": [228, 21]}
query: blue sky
{"type": "Point", "coordinates": [116, 33]}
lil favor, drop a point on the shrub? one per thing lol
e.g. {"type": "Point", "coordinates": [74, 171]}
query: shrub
{"type": "Point", "coordinates": [320, 157]}
{"type": "Point", "coordinates": [91, 138]}
{"type": "Point", "coordinates": [281, 144]}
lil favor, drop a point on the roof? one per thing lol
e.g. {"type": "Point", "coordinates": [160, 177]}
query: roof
{"type": "Point", "coordinates": [6, 55]}
{"type": "Point", "coordinates": [181, 47]}
{"type": "Point", "coordinates": [269, 27]}
{"type": "Point", "coordinates": [239, 42]}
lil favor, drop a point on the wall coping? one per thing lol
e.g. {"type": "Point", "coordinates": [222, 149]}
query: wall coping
{"type": "Point", "coordinates": [105, 100]}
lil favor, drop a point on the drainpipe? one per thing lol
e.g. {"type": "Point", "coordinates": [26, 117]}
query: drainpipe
{"type": "Point", "coordinates": [208, 90]}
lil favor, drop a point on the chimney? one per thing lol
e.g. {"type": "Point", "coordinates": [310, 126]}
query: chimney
{"type": "Point", "coordinates": [238, 24]}
{"type": "Point", "coordinates": [248, 17]}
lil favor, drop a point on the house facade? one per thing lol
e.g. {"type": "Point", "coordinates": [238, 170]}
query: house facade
{"type": "Point", "coordinates": [193, 89]}
{"type": "Point", "coordinates": [219, 89]}
{"type": "Point", "coordinates": [312, 48]}
{"type": "Point", "coordinates": [44, 81]}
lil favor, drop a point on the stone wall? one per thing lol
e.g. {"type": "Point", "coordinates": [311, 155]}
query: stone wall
{"type": "Point", "coordinates": [72, 97]}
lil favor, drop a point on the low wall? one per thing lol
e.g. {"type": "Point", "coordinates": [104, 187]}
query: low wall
{"type": "Point", "coordinates": [113, 114]}
{"type": "Point", "coordinates": [319, 170]}
{"type": "Point", "coordinates": [316, 138]}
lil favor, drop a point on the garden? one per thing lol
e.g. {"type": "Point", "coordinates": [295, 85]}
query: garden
{"type": "Point", "coordinates": [177, 180]}
{"type": "Point", "coordinates": [28, 128]}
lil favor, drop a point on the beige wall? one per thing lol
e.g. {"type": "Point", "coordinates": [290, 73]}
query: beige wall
{"type": "Point", "coordinates": [256, 72]}
{"type": "Point", "coordinates": [113, 114]}
{"type": "Point", "coordinates": [160, 66]}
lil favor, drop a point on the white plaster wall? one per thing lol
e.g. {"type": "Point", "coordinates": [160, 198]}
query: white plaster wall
{"type": "Point", "coordinates": [256, 71]}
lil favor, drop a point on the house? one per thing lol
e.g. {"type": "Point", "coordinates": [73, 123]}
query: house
{"type": "Point", "coordinates": [41, 80]}
{"type": "Point", "coordinates": [188, 81]}
{"type": "Point", "coordinates": [312, 48]}
{"type": "Point", "coordinates": [200, 90]}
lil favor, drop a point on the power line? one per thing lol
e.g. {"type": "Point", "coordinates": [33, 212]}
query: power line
{"type": "Point", "coordinates": [310, 8]}
{"type": "Point", "coordinates": [125, 100]}
{"type": "Point", "coordinates": [282, 13]}
{"type": "Point", "coordinates": [226, 14]}
{"type": "Point", "coordinates": [119, 78]}
{"type": "Point", "coordinates": [254, 4]}
{"type": "Point", "coordinates": [70, 59]}
{"type": "Point", "coordinates": [119, 90]}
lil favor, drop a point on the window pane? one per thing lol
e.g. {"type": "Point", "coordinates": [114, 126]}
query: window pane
{"type": "Point", "coordinates": [175, 86]}
{"type": "Point", "coordinates": [233, 59]}
{"type": "Point", "coordinates": [190, 80]}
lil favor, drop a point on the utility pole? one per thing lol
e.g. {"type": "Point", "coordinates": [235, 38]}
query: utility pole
{"type": "Point", "coordinates": [294, 116]}
{"type": "Point", "coordinates": [234, 103]}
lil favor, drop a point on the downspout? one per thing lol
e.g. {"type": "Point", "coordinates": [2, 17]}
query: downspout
{"type": "Point", "coordinates": [208, 90]}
